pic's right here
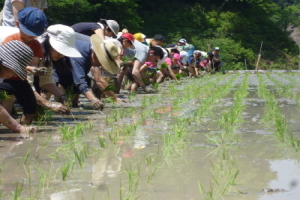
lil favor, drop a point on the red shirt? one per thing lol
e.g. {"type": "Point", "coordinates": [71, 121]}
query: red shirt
{"type": "Point", "coordinates": [34, 45]}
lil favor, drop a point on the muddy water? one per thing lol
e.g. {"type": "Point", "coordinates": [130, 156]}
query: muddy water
{"type": "Point", "coordinates": [134, 161]}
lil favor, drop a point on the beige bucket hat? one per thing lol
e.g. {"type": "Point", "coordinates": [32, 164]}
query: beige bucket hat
{"type": "Point", "coordinates": [107, 52]}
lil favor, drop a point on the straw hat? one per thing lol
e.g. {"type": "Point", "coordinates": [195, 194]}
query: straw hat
{"type": "Point", "coordinates": [62, 39]}
{"type": "Point", "coordinates": [106, 52]}
{"type": "Point", "coordinates": [16, 55]}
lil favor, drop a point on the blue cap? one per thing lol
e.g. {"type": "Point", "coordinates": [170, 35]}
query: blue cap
{"type": "Point", "coordinates": [32, 21]}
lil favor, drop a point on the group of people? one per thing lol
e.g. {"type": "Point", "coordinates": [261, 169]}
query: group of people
{"type": "Point", "coordinates": [92, 59]}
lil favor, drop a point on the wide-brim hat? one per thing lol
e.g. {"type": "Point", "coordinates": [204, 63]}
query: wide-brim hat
{"type": "Point", "coordinates": [62, 38]}
{"type": "Point", "coordinates": [16, 55]}
{"type": "Point", "coordinates": [114, 26]}
{"type": "Point", "coordinates": [107, 52]}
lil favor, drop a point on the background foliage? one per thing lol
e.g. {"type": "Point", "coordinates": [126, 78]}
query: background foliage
{"type": "Point", "coordinates": [237, 26]}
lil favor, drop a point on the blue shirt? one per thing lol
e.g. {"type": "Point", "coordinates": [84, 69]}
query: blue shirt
{"type": "Point", "coordinates": [78, 68]}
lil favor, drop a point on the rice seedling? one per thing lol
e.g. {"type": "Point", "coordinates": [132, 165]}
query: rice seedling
{"type": "Point", "coordinates": [18, 190]}
{"type": "Point", "coordinates": [131, 96]}
{"type": "Point", "coordinates": [150, 176]}
{"type": "Point", "coordinates": [115, 115]}
{"type": "Point", "coordinates": [122, 112]}
{"type": "Point", "coordinates": [73, 132]}
{"type": "Point", "coordinates": [26, 157]}
{"type": "Point", "coordinates": [102, 141]}
{"type": "Point", "coordinates": [129, 128]}
{"type": "Point", "coordinates": [65, 169]}
{"type": "Point", "coordinates": [149, 159]}
{"type": "Point", "coordinates": [133, 181]}
{"type": "Point", "coordinates": [144, 102]}
{"type": "Point", "coordinates": [113, 137]}
{"type": "Point", "coordinates": [43, 115]}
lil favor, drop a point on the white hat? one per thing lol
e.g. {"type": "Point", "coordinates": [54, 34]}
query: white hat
{"type": "Point", "coordinates": [217, 48]}
{"type": "Point", "coordinates": [106, 52]}
{"type": "Point", "coordinates": [16, 55]}
{"type": "Point", "coordinates": [114, 26]}
{"type": "Point", "coordinates": [183, 41]}
{"type": "Point", "coordinates": [62, 39]}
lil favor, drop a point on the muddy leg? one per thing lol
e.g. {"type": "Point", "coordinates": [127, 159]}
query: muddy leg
{"type": "Point", "coordinates": [9, 103]}
{"type": "Point", "coordinates": [26, 119]}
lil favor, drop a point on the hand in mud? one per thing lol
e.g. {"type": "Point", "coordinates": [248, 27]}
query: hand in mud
{"type": "Point", "coordinates": [60, 109]}
{"type": "Point", "coordinates": [97, 104]}
{"type": "Point", "coordinates": [39, 71]}
{"type": "Point", "coordinates": [26, 131]}
{"type": "Point", "coordinates": [118, 100]}
{"type": "Point", "coordinates": [149, 89]}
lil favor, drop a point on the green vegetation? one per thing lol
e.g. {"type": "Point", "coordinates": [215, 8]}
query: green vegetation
{"type": "Point", "coordinates": [237, 26]}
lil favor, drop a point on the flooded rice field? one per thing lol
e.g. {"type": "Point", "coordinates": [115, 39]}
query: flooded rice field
{"type": "Point", "coordinates": [234, 136]}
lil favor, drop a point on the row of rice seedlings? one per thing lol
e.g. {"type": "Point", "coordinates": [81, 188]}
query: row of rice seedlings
{"type": "Point", "coordinates": [224, 171]}
{"type": "Point", "coordinates": [294, 86]}
{"type": "Point", "coordinates": [224, 178]}
{"type": "Point", "coordinates": [281, 87]}
{"type": "Point", "coordinates": [73, 132]}
{"type": "Point", "coordinates": [275, 118]}
{"type": "Point", "coordinates": [133, 174]}
{"type": "Point", "coordinates": [72, 155]}
{"type": "Point", "coordinates": [230, 118]}
{"type": "Point", "coordinates": [174, 142]}
{"type": "Point", "coordinates": [190, 92]}
{"type": "Point", "coordinates": [212, 96]}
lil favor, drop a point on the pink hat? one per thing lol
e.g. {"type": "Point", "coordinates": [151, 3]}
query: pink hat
{"type": "Point", "coordinates": [177, 57]}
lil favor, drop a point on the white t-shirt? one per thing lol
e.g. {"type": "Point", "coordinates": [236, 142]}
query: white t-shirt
{"type": "Point", "coordinates": [8, 16]}
{"type": "Point", "coordinates": [6, 31]}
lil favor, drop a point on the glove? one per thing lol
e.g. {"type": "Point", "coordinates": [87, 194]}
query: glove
{"type": "Point", "coordinates": [97, 104]}
{"type": "Point", "coordinates": [149, 89]}
{"type": "Point", "coordinates": [60, 109]}
{"type": "Point", "coordinates": [39, 71]}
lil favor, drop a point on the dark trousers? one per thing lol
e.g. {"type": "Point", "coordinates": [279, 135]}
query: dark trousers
{"type": "Point", "coordinates": [23, 92]}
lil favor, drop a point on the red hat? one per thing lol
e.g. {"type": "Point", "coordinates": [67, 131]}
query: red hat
{"type": "Point", "coordinates": [128, 36]}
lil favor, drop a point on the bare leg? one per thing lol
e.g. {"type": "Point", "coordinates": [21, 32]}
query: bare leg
{"type": "Point", "coordinates": [27, 119]}
{"type": "Point", "coordinates": [8, 103]}
{"type": "Point", "coordinates": [134, 87]}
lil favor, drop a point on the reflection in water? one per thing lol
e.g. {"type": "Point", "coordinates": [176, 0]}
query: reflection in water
{"type": "Point", "coordinates": [67, 195]}
{"type": "Point", "coordinates": [288, 179]}
{"type": "Point", "coordinates": [108, 166]}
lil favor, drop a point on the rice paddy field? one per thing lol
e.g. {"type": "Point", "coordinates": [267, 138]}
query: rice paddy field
{"type": "Point", "coordinates": [230, 136]}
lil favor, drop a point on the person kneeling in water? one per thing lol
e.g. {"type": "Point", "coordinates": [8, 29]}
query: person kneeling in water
{"type": "Point", "coordinates": [14, 57]}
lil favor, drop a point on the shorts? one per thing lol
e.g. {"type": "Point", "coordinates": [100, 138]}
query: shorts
{"type": "Point", "coordinates": [23, 93]}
